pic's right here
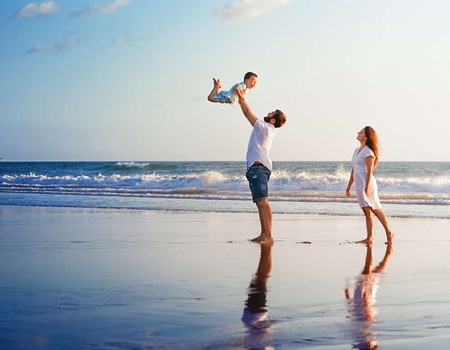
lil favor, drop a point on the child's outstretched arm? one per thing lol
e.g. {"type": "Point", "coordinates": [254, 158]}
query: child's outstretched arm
{"type": "Point", "coordinates": [215, 89]}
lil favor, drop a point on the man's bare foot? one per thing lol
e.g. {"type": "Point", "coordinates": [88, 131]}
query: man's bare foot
{"type": "Point", "coordinates": [263, 239]}
{"type": "Point", "coordinates": [390, 237]}
{"type": "Point", "coordinates": [364, 241]}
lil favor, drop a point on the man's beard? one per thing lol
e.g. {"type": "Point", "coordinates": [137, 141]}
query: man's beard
{"type": "Point", "coordinates": [267, 119]}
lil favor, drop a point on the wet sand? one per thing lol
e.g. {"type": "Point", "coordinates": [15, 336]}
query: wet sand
{"type": "Point", "coordinates": [120, 279]}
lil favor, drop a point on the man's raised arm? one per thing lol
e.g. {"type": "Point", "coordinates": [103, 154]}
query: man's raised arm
{"type": "Point", "coordinates": [245, 107]}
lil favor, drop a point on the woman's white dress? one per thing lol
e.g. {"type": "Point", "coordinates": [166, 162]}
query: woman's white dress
{"type": "Point", "coordinates": [360, 176]}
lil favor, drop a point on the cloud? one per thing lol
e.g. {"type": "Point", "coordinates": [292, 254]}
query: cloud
{"type": "Point", "coordinates": [70, 40]}
{"type": "Point", "coordinates": [120, 39]}
{"type": "Point", "coordinates": [128, 38]}
{"type": "Point", "coordinates": [34, 9]}
{"type": "Point", "coordinates": [44, 48]}
{"type": "Point", "coordinates": [40, 48]}
{"type": "Point", "coordinates": [245, 10]}
{"type": "Point", "coordinates": [105, 8]}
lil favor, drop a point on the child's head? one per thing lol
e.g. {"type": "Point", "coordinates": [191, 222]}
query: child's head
{"type": "Point", "coordinates": [250, 79]}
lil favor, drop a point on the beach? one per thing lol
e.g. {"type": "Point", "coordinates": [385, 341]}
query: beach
{"type": "Point", "coordinates": [90, 278]}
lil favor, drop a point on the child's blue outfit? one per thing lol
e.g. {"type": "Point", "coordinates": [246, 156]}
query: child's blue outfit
{"type": "Point", "coordinates": [230, 95]}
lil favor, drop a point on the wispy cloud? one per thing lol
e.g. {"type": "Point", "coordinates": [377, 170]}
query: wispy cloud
{"type": "Point", "coordinates": [128, 38]}
{"type": "Point", "coordinates": [34, 9]}
{"type": "Point", "coordinates": [51, 48]}
{"type": "Point", "coordinates": [108, 7]}
{"type": "Point", "coordinates": [120, 39]}
{"type": "Point", "coordinates": [245, 10]}
{"type": "Point", "coordinates": [44, 48]}
{"type": "Point", "coordinates": [70, 40]}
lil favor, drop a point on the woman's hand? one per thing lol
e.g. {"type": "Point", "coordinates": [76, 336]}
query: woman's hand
{"type": "Point", "coordinates": [350, 183]}
{"type": "Point", "coordinates": [347, 191]}
{"type": "Point", "coordinates": [369, 169]}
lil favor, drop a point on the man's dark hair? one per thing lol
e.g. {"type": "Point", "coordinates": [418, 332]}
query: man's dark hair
{"type": "Point", "coordinates": [249, 75]}
{"type": "Point", "coordinates": [280, 119]}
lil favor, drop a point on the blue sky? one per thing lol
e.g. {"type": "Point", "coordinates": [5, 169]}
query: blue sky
{"type": "Point", "coordinates": [128, 79]}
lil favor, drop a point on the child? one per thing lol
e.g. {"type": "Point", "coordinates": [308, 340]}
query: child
{"type": "Point", "coordinates": [230, 96]}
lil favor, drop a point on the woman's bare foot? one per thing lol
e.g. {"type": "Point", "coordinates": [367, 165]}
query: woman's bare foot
{"type": "Point", "coordinates": [365, 241]}
{"type": "Point", "coordinates": [263, 239]}
{"type": "Point", "coordinates": [390, 237]}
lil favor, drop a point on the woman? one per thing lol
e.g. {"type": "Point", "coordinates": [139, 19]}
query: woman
{"type": "Point", "coordinates": [365, 159]}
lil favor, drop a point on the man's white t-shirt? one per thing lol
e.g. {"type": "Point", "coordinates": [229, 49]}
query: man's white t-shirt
{"type": "Point", "coordinates": [259, 144]}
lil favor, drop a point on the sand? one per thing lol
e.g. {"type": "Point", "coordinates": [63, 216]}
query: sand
{"type": "Point", "coordinates": [123, 279]}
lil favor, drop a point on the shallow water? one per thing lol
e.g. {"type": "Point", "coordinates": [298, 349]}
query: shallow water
{"type": "Point", "coordinates": [112, 279]}
{"type": "Point", "coordinates": [407, 189]}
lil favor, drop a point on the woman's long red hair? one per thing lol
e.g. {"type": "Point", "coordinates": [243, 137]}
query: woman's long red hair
{"type": "Point", "coordinates": [372, 142]}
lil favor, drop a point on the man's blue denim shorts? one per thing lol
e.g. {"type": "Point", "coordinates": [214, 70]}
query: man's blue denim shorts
{"type": "Point", "coordinates": [258, 176]}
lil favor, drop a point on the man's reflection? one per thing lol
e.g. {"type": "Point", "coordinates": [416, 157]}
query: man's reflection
{"type": "Point", "coordinates": [255, 314]}
{"type": "Point", "coordinates": [362, 308]}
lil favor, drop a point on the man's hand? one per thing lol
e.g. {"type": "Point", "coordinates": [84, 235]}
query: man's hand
{"type": "Point", "coordinates": [239, 93]}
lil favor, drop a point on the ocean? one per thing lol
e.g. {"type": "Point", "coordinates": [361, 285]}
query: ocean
{"type": "Point", "coordinates": [407, 189]}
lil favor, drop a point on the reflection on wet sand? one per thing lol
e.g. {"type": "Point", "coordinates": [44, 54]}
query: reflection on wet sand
{"type": "Point", "coordinates": [362, 309]}
{"type": "Point", "coordinates": [255, 316]}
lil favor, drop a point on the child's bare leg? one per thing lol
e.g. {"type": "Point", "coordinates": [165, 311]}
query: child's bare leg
{"type": "Point", "coordinates": [214, 90]}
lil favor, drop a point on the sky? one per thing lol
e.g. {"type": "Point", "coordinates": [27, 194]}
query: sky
{"type": "Point", "coordinates": [128, 79]}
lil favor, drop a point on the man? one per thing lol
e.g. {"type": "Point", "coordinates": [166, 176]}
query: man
{"type": "Point", "coordinates": [259, 164]}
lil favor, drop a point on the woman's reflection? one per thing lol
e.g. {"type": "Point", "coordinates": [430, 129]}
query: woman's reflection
{"type": "Point", "coordinates": [255, 314]}
{"type": "Point", "coordinates": [363, 312]}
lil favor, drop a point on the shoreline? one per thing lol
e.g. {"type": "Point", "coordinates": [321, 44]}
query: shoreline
{"type": "Point", "coordinates": [251, 210]}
